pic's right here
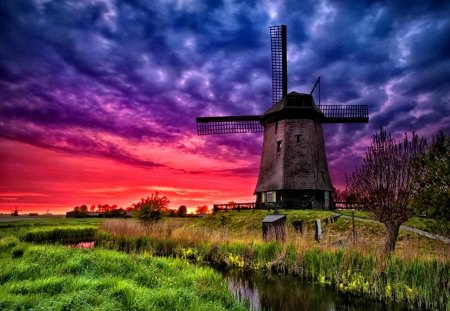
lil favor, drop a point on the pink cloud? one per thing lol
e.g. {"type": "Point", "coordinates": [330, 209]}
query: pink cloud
{"type": "Point", "coordinates": [37, 179]}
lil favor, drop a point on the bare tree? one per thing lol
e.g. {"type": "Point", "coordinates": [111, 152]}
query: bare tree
{"type": "Point", "coordinates": [388, 180]}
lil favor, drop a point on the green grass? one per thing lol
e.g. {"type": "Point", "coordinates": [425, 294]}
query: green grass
{"type": "Point", "coordinates": [418, 281]}
{"type": "Point", "coordinates": [57, 278]}
{"type": "Point", "coordinates": [359, 214]}
{"type": "Point", "coordinates": [433, 226]}
{"type": "Point", "coordinates": [430, 225]}
{"type": "Point", "coordinates": [244, 222]}
{"type": "Point", "coordinates": [423, 283]}
{"type": "Point", "coordinates": [61, 234]}
{"type": "Point", "coordinates": [53, 221]}
{"type": "Point", "coordinates": [415, 279]}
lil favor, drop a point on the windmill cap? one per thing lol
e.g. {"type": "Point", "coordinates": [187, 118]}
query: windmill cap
{"type": "Point", "coordinates": [293, 106]}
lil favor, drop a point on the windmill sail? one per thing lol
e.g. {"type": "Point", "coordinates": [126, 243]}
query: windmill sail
{"type": "Point", "coordinates": [228, 125]}
{"type": "Point", "coordinates": [279, 62]}
{"type": "Point", "coordinates": [345, 113]}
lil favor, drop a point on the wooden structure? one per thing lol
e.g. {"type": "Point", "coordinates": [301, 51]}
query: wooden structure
{"type": "Point", "coordinates": [349, 205]}
{"type": "Point", "coordinates": [318, 231]}
{"type": "Point", "coordinates": [234, 207]}
{"type": "Point", "coordinates": [274, 228]}
{"type": "Point", "coordinates": [294, 168]}
{"type": "Point", "coordinates": [248, 206]}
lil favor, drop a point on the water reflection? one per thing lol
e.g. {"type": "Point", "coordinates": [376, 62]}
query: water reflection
{"type": "Point", "coordinates": [283, 292]}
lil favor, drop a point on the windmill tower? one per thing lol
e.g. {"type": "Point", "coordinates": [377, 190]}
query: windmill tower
{"type": "Point", "coordinates": [294, 168]}
{"type": "Point", "coordinates": [15, 212]}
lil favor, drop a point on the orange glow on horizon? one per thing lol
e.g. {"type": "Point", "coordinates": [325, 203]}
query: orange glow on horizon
{"type": "Point", "coordinates": [36, 180]}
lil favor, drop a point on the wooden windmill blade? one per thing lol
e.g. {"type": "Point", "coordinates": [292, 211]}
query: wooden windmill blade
{"type": "Point", "coordinates": [345, 113]}
{"type": "Point", "coordinates": [251, 123]}
{"type": "Point", "coordinates": [342, 113]}
{"type": "Point", "coordinates": [229, 125]}
{"type": "Point", "coordinates": [278, 49]}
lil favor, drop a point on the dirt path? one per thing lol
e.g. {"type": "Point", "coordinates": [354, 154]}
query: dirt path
{"type": "Point", "coordinates": [418, 231]}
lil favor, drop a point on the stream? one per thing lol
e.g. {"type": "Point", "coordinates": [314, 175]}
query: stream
{"type": "Point", "coordinates": [265, 291]}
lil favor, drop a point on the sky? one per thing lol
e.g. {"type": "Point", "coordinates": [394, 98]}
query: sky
{"type": "Point", "coordinates": [98, 98]}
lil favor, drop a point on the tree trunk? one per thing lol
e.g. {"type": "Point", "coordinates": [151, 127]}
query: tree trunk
{"type": "Point", "coordinates": [391, 237]}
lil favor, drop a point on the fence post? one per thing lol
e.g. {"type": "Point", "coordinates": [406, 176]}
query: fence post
{"type": "Point", "coordinates": [318, 234]}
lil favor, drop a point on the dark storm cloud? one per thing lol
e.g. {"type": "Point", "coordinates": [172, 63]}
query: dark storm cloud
{"type": "Point", "coordinates": [389, 56]}
{"type": "Point", "coordinates": [144, 70]}
{"type": "Point", "coordinates": [140, 71]}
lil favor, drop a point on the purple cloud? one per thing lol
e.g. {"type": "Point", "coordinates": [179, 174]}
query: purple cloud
{"type": "Point", "coordinates": [142, 71]}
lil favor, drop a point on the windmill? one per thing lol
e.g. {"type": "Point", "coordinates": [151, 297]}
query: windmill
{"type": "Point", "coordinates": [15, 212]}
{"type": "Point", "coordinates": [294, 168]}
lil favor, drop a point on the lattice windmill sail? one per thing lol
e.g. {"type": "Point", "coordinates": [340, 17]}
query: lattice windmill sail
{"type": "Point", "coordinates": [278, 47]}
{"type": "Point", "coordinates": [294, 168]}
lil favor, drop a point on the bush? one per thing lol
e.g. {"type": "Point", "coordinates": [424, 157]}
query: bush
{"type": "Point", "coordinates": [149, 210]}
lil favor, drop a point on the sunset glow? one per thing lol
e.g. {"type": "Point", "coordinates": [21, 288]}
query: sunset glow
{"type": "Point", "coordinates": [56, 181]}
{"type": "Point", "coordinates": [99, 98]}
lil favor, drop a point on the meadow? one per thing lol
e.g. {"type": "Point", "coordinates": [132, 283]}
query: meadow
{"type": "Point", "coordinates": [417, 274]}
{"type": "Point", "coordinates": [54, 277]}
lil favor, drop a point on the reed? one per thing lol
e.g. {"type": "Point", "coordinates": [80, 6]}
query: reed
{"type": "Point", "coordinates": [354, 267]}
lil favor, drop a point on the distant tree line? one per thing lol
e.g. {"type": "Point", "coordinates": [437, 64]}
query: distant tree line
{"type": "Point", "coordinates": [434, 200]}
{"type": "Point", "coordinates": [147, 210]}
{"type": "Point", "coordinates": [103, 210]}
{"type": "Point", "coordinates": [150, 209]}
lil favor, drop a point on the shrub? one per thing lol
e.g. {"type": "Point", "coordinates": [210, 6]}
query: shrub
{"type": "Point", "coordinates": [149, 210]}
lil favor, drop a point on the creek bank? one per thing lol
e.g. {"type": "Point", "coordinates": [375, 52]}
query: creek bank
{"type": "Point", "coordinates": [416, 283]}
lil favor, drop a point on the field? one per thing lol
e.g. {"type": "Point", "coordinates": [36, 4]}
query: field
{"type": "Point", "coordinates": [347, 257]}
{"type": "Point", "coordinates": [55, 277]}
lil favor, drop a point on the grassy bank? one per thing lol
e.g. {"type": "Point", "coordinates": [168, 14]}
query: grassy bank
{"type": "Point", "coordinates": [418, 273]}
{"type": "Point", "coordinates": [58, 278]}
{"type": "Point", "coordinates": [423, 283]}
{"type": "Point", "coordinates": [416, 278]}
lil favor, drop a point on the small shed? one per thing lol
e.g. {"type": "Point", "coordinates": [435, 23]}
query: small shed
{"type": "Point", "coordinates": [274, 228]}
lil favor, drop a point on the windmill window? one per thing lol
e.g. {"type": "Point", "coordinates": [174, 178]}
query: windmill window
{"type": "Point", "coordinates": [276, 126]}
{"type": "Point", "coordinates": [270, 196]}
{"type": "Point", "coordinates": [298, 139]}
{"type": "Point", "coordinates": [279, 146]}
